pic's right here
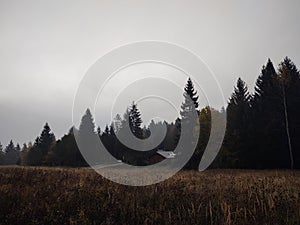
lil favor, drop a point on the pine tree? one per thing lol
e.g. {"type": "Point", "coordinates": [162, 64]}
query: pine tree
{"type": "Point", "coordinates": [266, 83]}
{"type": "Point", "coordinates": [267, 121]}
{"type": "Point", "coordinates": [46, 140]}
{"type": "Point", "coordinates": [190, 102]}
{"type": "Point", "coordinates": [238, 118]}
{"type": "Point", "coordinates": [135, 120]}
{"type": "Point", "coordinates": [88, 139]}
{"type": "Point", "coordinates": [289, 79]}
{"type": "Point", "coordinates": [190, 91]}
{"type": "Point", "coordinates": [11, 154]}
{"type": "Point", "coordinates": [188, 108]}
{"type": "Point", "coordinates": [87, 126]}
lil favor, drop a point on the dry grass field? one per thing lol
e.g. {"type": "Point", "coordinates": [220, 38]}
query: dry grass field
{"type": "Point", "coordinates": [81, 196]}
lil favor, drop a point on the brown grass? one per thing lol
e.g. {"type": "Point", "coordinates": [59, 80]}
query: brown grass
{"type": "Point", "coordinates": [81, 196]}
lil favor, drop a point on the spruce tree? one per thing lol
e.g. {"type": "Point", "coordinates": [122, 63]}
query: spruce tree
{"type": "Point", "coordinates": [238, 111]}
{"type": "Point", "coordinates": [190, 102]}
{"type": "Point", "coordinates": [88, 139]}
{"type": "Point", "coordinates": [267, 121]}
{"type": "Point", "coordinates": [135, 120]}
{"type": "Point", "coordinates": [87, 126]}
{"type": "Point", "coordinates": [289, 78]}
{"type": "Point", "coordinates": [190, 91]}
{"type": "Point", "coordinates": [11, 154]}
{"type": "Point", "coordinates": [46, 140]}
{"type": "Point", "coordinates": [188, 108]}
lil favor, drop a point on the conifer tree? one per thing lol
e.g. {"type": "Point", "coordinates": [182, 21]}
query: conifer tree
{"type": "Point", "coordinates": [188, 108]}
{"type": "Point", "coordinates": [46, 140]}
{"type": "Point", "coordinates": [190, 91]}
{"type": "Point", "coordinates": [11, 154]}
{"type": "Point", "coordinates": [190, 102]}
{"type": "Point", "coordinates": [88, 139]}
{"type": "Point", "coordinates": [266, 135]}
{"type": "Point", "coordinates": [289, 78]}
{"type": "Point", "coordinates": [135, 120]}
{"type": "Point", "coordinates": [87, 126]}
{"type": "Point", "coordinates": [238, 111]}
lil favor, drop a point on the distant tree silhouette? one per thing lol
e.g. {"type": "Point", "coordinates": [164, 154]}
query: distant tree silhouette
{"type": "Point", "coordinates": [66, 152]}
{"type": "Point", "coordinates": [1, 155]}
{"type": "Point", "coordinates": [190, 91]}
{"type": "Point", "coordinates": [188, 107]}
{"type": "Point", "coordinates": [11, 154]}
{"type": "Point", "coordinates": [38, 153]}
{"type": "Point", "coordinates": [289, 79]}
{"type": "Point", "coordinates": [135, 120]}
{"type": "Point", "coordinates": [266, 134]}
{"type": "Point", "coordinates": [238, 118]}
{"type": "Point", "coordinates": [35, 155]}
{"type": "Point", "coordinates": [87, 125]}
{"type": "Point", "coordinates": [88, 139]}
{"type": "Point", "coordinates": [99, 131]}
{"type": "Point", "coordinates": [46, 140]}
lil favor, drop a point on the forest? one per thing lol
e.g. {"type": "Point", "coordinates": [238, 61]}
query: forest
{"type": "Point", "coordinates": [263, 129]}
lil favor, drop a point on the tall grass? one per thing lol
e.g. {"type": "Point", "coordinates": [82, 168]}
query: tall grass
{"type": "Point", "coordinates": [81, 196]}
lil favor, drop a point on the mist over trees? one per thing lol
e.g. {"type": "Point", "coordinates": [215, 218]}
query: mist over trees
{"type": "Point", "coordinates": [263, 129]}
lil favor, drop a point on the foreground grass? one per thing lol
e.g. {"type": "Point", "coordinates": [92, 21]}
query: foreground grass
{"type": "Point", "coordinates": [81, 196]}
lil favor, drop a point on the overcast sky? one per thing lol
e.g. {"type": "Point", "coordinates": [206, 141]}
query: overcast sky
{"type": "Point", "coordinates": [47, 46]}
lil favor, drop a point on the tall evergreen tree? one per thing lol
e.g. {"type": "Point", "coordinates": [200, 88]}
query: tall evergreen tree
{"type": "Point", "coordinates": [267, 121]}
{"type": "Point", "coordinates": [190, 102]}
{"type": "Point", "coordinates": [190, 91]}
{"type": "Point", "coordinates": [87, 125]}
{"type": "Point", "coordinates": [88, 139]}
{"type": "Point", "coordinates": [11, 154]}
{"type": "Point", "coordinates": [236, 139]}
{"type": "Point", "coordinates": [46, 140]}
{"type": "Point", "coordinates": [289, 78]}
{"type": "Point", "coordinates": [135, 120]}
{"type": "Point", "coordinates": [188, 108]}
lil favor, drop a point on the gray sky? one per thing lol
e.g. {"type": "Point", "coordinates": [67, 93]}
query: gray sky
{"type": "Point", "coordinates": [47, 46]}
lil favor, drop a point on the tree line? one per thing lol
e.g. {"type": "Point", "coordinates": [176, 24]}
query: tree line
{"type": "Point", "coordinates": [263, 129]}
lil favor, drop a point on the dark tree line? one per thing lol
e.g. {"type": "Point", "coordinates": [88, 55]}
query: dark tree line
{"type": "Point", "coordinates": [263, 129]}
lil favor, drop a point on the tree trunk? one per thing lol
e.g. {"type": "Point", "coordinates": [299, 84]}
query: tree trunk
{"type": "Point", "coordinates": [287, 127]}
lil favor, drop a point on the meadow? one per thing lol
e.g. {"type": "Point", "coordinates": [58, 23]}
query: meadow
{"type": "Point", "coordinates": [41, 195]}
